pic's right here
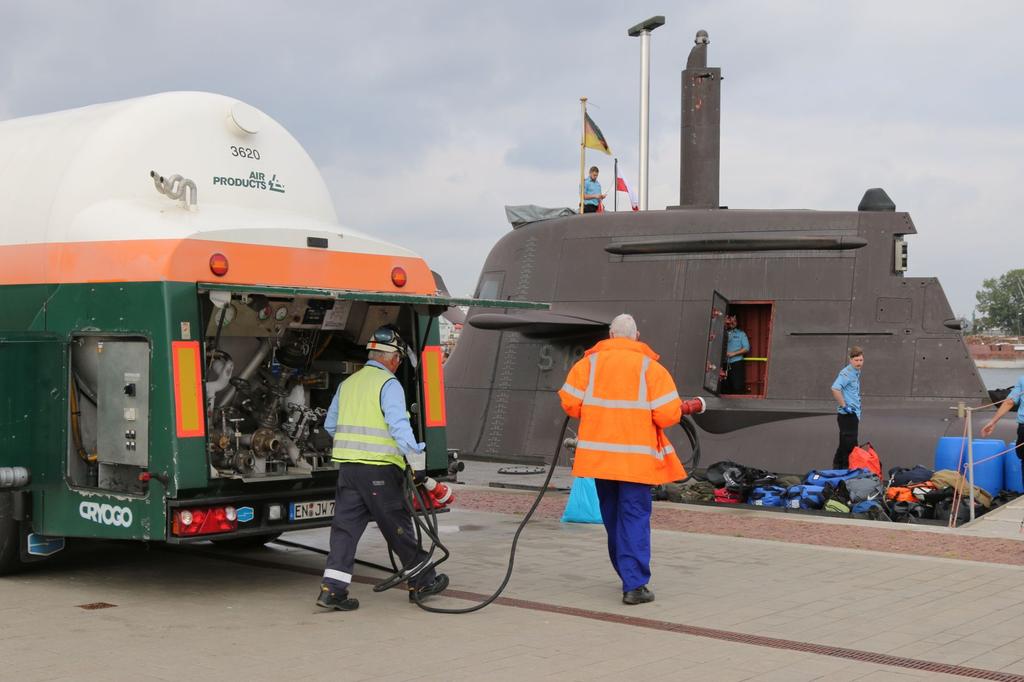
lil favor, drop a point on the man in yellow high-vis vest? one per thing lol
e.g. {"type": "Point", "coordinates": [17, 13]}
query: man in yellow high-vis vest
{"type": "Point", "coordinates": [373, 443]}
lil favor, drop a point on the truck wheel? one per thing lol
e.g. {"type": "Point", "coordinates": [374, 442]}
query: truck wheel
{"type": "Point", "coordinates": [10, 536]}
{"type": "Point", "coordinates": [248, 542]}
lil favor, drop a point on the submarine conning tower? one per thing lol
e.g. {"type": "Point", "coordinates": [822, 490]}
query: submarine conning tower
{"type": "Point", "coordinates": [700, 142]}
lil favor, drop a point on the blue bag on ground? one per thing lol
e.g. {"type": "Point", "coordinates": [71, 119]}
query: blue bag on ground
{"type": "Point", "coordinates": [767, 496]}
{"type": "Point", "coordinates": [833, 476]}
{"type": "Point", "coordinates": [867, 507]}
{"type": "Point", "coordinates": [805, 497]}
{"type": "Point", "coordinates": [583, 505]}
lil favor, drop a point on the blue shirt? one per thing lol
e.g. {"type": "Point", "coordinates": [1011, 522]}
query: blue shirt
{"type": "Point", "coordinates": [737, 341]}
{"type": "Point", "coordinates": [1015, 395]}
{"type": "Point", "coordinates": [591, 187]}
{"type": "Point", "coordinates": [392, 404]}
{"type": "Point", "coordinates": [848, 382]}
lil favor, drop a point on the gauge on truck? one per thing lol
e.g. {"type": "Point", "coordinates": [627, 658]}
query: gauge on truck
{"type": "Point", "coordinates": [281, 314]}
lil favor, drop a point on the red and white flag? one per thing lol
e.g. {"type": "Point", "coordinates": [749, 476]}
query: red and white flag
{"type": "Point", "coordinates": [622, 186]}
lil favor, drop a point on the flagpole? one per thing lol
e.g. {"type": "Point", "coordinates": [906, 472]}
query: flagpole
{"type": "Point", "coordinates": [643, 30]}
{"type": "Point", "coordinates": [583, 142]}
{"type": "Point", "coordinates": [615, 187]}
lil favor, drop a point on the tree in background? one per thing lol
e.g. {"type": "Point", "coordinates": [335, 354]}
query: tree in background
{"type": "Point", "coordinates": [1001, 303]}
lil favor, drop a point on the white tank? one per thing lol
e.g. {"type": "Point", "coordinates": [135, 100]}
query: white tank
{"type": "Point", "coordinates": [79, 177]}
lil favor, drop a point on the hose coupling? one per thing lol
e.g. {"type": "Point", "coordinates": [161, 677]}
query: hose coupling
{"type": "Point", "coordinates": [694, 406]}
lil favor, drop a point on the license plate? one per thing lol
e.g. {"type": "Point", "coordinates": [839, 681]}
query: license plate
{"type": "Point", "coordinates": [317, 509]}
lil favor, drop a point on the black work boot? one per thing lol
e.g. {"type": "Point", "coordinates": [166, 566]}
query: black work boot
{"type": "Point", "coordinates": [439, 585]}
{"type": "Point", "coordinates": [339, 601]}
{"type": "Point", "coordinates": [640, 595]}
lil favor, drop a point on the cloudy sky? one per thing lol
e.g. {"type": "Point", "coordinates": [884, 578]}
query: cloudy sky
{"type": "Point", "coordinates": [428, 117]}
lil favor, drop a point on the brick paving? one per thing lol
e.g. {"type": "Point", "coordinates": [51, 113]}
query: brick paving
{"type": "Point", "coordinates": [184, 614]}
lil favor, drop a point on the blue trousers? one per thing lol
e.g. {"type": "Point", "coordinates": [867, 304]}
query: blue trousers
{"type": "Point", "coordinates": [626, 512]}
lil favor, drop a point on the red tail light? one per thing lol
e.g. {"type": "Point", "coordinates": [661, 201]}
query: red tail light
{"type": "Point", "coordinates": [204, 521]}
{"type": "Point", "coordinates": [219, 264]}
{"type": "Point", "coordinates": [398, 277]}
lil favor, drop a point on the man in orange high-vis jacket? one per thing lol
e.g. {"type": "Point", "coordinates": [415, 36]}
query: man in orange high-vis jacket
{"type": "Point", "coordinates": [624, 399]}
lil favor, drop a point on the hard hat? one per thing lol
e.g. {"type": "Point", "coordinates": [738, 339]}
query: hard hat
{"type": "Point", "coordinates": [387, 340]}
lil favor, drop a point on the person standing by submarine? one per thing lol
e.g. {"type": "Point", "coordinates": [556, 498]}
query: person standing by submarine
{"type": "Point", "coordinates": [624, 400]}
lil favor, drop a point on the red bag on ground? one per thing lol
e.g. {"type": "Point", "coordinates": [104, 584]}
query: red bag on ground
{"type": "Point", "coordinates": [726, 496]}
{"type": "Point", "coordinates": [865, 457]}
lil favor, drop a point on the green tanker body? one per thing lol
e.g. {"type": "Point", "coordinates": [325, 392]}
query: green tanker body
{"type": "Point", "coordinates": [178, 305]}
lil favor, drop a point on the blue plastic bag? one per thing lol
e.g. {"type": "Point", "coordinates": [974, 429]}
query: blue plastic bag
{"type": "Point", "coordinates": [583, 505]}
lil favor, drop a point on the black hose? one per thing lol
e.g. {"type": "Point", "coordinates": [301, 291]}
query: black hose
{"type": "Point", "coordinates": [220, 327]}
{"type": "Point", "coordinates": [515, 539]}
{"type": "Point", "coordinates": [368, 564]}
{"type": "Point", "coordinates": [690, 429]}
{"type": "Point", "coordinates": [426, 524]}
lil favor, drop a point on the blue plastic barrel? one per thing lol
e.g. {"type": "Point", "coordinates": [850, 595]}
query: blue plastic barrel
{"type": "Point", "coordinates": [988, 475]}
{"type": "Point", "coordinates": [1011, 472]}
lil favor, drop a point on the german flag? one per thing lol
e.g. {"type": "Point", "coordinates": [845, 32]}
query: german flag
{"type": "Point", "coordinates": [592, 136]}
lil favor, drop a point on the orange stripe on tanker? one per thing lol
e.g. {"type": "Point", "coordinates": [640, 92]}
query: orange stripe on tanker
{"type": "Point", "coordinates": [433, 387]}
{"type": "Point", "coordinates": [188, 260]}
{"type": "Point", "coordinates": [188, 394]}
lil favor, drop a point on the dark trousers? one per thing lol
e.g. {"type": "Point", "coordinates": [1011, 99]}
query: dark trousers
{"type": "Point", "coordinates": [590, 208]}
{"type": "Point", "coordinates": [848, 424]}
{"type": "Point", "coordinates": [1020, 449]}
{"type": "Point", "coordinates": [626, 514]}
{"type": "Point", "coordinates": [736, 378]}
{"type": "Point", "coordinates": [365, 492]}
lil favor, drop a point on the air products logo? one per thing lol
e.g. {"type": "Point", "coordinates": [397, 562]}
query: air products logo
{"type": "Point", "coordinates": [106, 514]}
{"type": "Point", "coordinates": [257, 180]}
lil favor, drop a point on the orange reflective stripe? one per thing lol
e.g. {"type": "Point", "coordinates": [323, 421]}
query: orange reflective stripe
{"type": "Point", "coordinates": [188, 390]}
{"type": "Point", "coordinates": [434, 412]}
{"type": "Point", "coordinates": [188, 260]}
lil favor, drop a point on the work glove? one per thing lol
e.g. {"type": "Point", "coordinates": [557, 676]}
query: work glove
{"type": "Point", "coordinates": [418, 463]}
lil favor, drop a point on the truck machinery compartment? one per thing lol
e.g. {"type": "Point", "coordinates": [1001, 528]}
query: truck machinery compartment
{"type": "Point", "coordinates": [272, 366]}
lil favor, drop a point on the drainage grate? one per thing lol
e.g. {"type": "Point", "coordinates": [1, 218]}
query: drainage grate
{"type": "Point", "coordinates": [96, 605]}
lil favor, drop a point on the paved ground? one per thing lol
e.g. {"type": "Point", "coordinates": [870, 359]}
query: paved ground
{"type": "Point", "coordinates": [1005, 522]}
{"type": "Point", "coordinates": [727, 608]}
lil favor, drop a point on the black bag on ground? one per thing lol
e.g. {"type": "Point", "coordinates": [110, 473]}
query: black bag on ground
{"type": "Point", "coordinates": [735, 479]}
{"type": "Point", "coordinates": [944, 510]}
{"type": "Point", "coordinates": [933, 497]}
{"type": "Point", "coordinates": [836, 492]}
{"type": "Point", "coordinates": [908, 512]}
{"type": "Point", "coordinates": [1004, 497]}
{"type": "Point", "coordinates": [905, 476]}
{"type": "Point", "coordinates": [715, 474]}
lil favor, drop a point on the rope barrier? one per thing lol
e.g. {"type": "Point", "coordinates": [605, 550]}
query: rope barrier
{"type": "Point", "coordinates": [1000, 454]}
{"type": "Point", "coordinates": [958, 490]}
{"type": "Point", "coordinates": [963, 410]}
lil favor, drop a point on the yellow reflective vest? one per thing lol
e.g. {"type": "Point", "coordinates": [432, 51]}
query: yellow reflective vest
{"type": "Point", "coordinates": [362, 433]}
